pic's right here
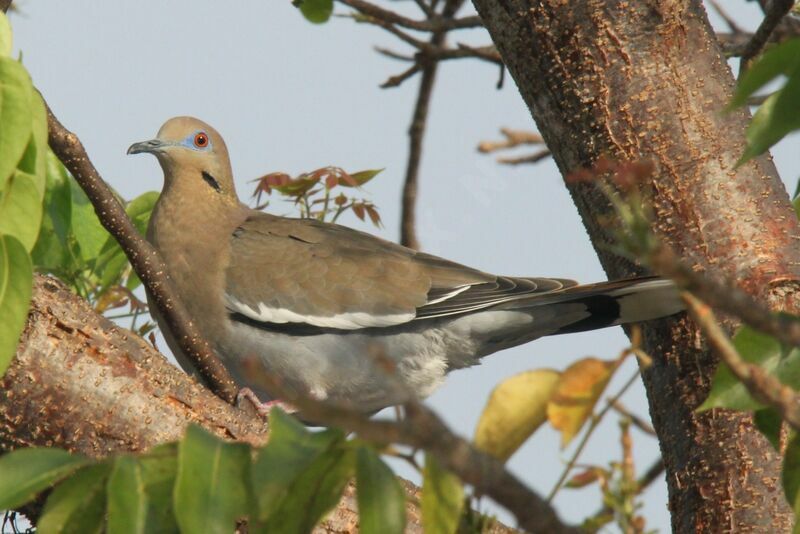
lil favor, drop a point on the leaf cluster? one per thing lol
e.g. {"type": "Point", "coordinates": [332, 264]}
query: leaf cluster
{"type": "Point", "coordinates": [23, 148]}
{"type": "Point", "coordinates": [203, 484]}
{"type": "Point", "coordinates": [74, 246]}
{"type": "Point", "coordinates": [312, 193]}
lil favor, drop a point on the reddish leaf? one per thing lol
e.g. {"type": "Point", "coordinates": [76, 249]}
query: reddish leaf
{"type": "Point", "coordinates": [340, 200]}
{"type": "Point", "coordinates": [373, 214]}
{"type": "Point", "coordinates": [361, 177]}
{"type": "Point", "coordinates": [349, 181]}
{"type": "Point", "coordinates": [358, 209]}
{"type": "Point", "coordinates": [299, 186]}
{"type": "Point", "coordinates": [331, 181]}
{"type": "Point", "coordinates": [589, 476]}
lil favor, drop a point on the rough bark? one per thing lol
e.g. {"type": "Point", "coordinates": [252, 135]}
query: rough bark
{"type": "Point", "coordinates": [81, 383]}
{"type": "Point", "coordinates": [647, 80]}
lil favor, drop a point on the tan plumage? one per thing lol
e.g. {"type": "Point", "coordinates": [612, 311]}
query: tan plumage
{"type": "Point", "coordinates": [308, 300]}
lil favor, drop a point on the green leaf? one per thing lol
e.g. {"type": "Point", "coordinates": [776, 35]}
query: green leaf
{"type": "Point", "coordinates": [140, 493]}
{"type": "Point", "coordinates": [316, 11]}
{"type": "Point", "coordinates": [52, 252]}
{"type": "Point", "coordinates": [442, 499]}
{"type": "Point", "coordinates": [791, 473]}
{"type": "Point", "coordinates": [796, 204]}
{"type": "Point", "coordinates": [381, 499]}
{"type": "Point", "coordinates": [86, 227]}
{"type": "Point", "coordinates": [313, 494]}
{"type": "Point", "coordinates": [768, 421]}
{"type": "Point", "coordinates": [24, 473]}
{"type": "Point", "coordinates": [297, 187]}
{"type": "Point", "coordinates": [362, 177]}
{"type": "Point", "coordinates": [211, 489]}
{"type": "Point", "coordinates": [776, 117]}
{"type": "Point", "coordinates": [127, 502]}
{"type": "Point", "coordinates": [15, 115]}
{"type": "Point", "coordinates": [16, 281]}
{"type": "Point", "coordinates": [299, 475]}
{"type": "Point", "coordinates": [762, 350]}
{"type": "Point", "coordinates": [6, 41]}
{"type": "Point", "coordinates": [34, 160]}
{"type": "Point", "coordinates": [291, 450]}
{"type": "Point", "coordinates": [21, 209]}
{"type": "Point", "coordinates": [140, 208]}
{"type": "Point", "coordinates": [78, 504]}
{"type": "Point", "coordinates": [781, 59]}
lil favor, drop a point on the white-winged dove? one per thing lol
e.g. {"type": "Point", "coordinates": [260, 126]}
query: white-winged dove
{"type": "Point", "coordinates": [312, 302]}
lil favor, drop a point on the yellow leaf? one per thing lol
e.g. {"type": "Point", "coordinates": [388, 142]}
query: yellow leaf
{"type": "Point", "coordinates": [516, 408]}
{"type": "Point", "coordinates": [577, 392]}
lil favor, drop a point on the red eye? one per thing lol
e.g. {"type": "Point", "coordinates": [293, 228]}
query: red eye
{"type": "Point", "coordinates": [201, 140]}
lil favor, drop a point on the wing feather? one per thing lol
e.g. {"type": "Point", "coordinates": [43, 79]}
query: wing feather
{"type": "Point", "coordinates": [301, 271]}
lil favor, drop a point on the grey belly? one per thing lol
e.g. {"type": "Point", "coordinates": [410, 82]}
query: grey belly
{"type": "Point", "coordinates": [369, 371]}
{"type": "Point", "coordinates": [373, 368]}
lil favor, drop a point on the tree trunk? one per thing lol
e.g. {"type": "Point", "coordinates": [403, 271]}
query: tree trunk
{"type": "Point", "coordinates": [81, 383]}
{"type": "Point", "coordinates": [647, 80]}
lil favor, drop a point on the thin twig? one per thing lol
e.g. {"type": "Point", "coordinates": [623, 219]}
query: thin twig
{"type": "Point", "coordinates": [143, 257]}
{"type": "Point", "coordinates": [487, 53]}
{"type": "Point", "coordinates": [777, 10]}
{"type": "Point", "coordinates": [637, 421]}
{"type": "Point", "coordinates": [655, 470]}
{"type": "Point", "coordinates": [396, 80]}
{"type": "Point", "coordinates": [397, 32]}
{"type": "Point", "coordinates": [652, 474]}
{"type": "Point", "coordinates": [394, 55]}
{"type": "Point", "coordinates": [438, 23]}
{"type": "Point", "coordinates": [761, 385]}
{"type": "Point", "coordinates": [427, 53]}
{"type": "Point", "coordinates": [732, 24]}
{"type": "Point", "coordinates": [536, 157]}
{"type": "Point", "coordinates": [425, 8]}
{"type": "Point", "coordinates": [416, 132]}
{"type": "Point", "coordinates": [513, 138]}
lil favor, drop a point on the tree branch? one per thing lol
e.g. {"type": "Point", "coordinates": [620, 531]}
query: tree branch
{"type": "Point", "coordinates": [143, 257]}
{"type": "Point", "coordinates": [416, 131]}
{"type": "Point", "coordinates": [777, 10]}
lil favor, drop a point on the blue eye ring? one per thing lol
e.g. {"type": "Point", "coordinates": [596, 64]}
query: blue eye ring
{"type": "Point", "coordinates": [201, 140]}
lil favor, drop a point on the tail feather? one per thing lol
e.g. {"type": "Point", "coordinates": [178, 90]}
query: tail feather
{"type": "Point", "coordinates": [622, 302]}
{"type": "Point", "coordinates": [606, 304]}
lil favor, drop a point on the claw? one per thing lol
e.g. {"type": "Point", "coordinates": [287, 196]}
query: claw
{"type": "Point", "coordinates": [262, 408]}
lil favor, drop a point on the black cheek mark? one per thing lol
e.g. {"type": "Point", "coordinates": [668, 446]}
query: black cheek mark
{"type": "Point", "coordinates": [210, 180]}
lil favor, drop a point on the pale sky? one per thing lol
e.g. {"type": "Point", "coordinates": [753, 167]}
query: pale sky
{"type": "Point", "coordinates": [291, 96]}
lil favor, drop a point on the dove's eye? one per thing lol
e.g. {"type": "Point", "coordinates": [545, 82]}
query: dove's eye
{"type": "Point", "coordinates": [200, 140]}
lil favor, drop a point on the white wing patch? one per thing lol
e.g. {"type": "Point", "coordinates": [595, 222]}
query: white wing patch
{"type": "Point", "coordinates": [342, 321]}
{"type": "Point", "coordinates": [456, 291]}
